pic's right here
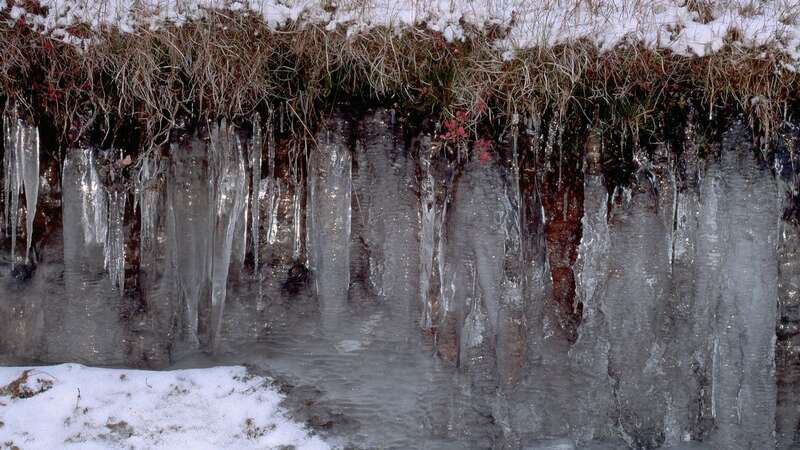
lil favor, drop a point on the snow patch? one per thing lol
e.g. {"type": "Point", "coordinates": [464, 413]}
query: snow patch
{"type": "Point", "coordinates": [74, 406]}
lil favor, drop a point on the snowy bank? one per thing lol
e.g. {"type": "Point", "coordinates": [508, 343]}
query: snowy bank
{"type": "Point", "coordinates": [71, 405]}
{"type": "Point", "coordinates": [686, 28]}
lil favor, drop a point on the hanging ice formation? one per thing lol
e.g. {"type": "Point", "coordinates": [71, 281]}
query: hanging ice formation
{"type": "Point", "coordinates": [148, 197]}
{"type": "Point", "coordinates": [115, 238]}
{"type": "Point", "coordinates": [188, 217]}
{"type": "Point", "coordinates": [255, 162]}
{"type": "Point", "coordinates": [228, 195]}
{"type": "Point", "coordinates": [21, 175]}
{"type": "Point", "coordinates": [102, 209]}
{"type": "Point", "coordinates": [427, 238]}
{"type": "Point", "coordinates": [329, 212]}
{"type": "Point", "coordinates": [270, 189]}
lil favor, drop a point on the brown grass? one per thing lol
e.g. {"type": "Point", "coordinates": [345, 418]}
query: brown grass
{"type": "Point", "coordinates": [231, 64]}
{"type": "Point", "coordinates": [20, 389]}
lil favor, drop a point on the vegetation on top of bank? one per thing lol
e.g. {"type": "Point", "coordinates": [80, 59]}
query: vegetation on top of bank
{"type": "Point", "coordinates": [234, 62]}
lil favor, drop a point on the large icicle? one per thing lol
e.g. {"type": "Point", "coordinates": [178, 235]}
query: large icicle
{"type": "Point", "coordinates": [297, 217]}
{"type": "Point", "coordinates": [89, 308]}
{"type": "Point", "coordinates": [427, 236]}
{"type": "Point", "coordinates": [511, 326]}
{"type": "Point", "coordinates": [476, 231]}
{"type": "Point", "coordinates": [21, 163]}
{"type": "Point", "coordinates": [255, 162]}
{"type": "Point", "coordinates": [188, 219]}
{"type": "Point", "coordinates": [590, 351]}
{"type": "Point", "coordinates": [148, 198]}
{"type": "Point", "coordinates": [228, 198]}
{"type": "Point", "coordinates": [29, 147]}
{"type": "Point", "coordinates": [636, 287]}
{"type": "Point", "coordinates": [115, 239]}
{"type": "Point", "coordinates": [387, 212]}
{"type": "Point", "coordinates": [11, 179]}
{"type": "Point", "coordinates": [736, 294]}
{"type": "Point", "coordinates": [329, 216]}
{"type": "Point", "coordinates": [95, 206]}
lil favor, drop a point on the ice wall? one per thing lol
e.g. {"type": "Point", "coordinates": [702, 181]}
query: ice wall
{"type": "Point", "coordinates": [375, 236]}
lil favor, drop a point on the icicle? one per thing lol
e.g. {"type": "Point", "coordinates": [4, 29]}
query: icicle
{"type": "Point", "coordinates": [30, 177]}
{"type": "Point", "coordinates": [147, 198]}
{"type": "Point", "coordinates": [270, 150]}
{"type": "Point", "coordinates": [188, 206]}
{"type": "Point", "coordinates": [297, 209]}
{"type": "Point", "coordinates": [115, 239]}
{"type": "Point", "coordinates": [255, 162]}
{"type": "Point", "coordinates": [511, 325]}
{"type": "Point", "coordinates": [446, 290]}
{"type": "Point", "coordinates": [595, 237]}
{"type": "Point", "coordinates": [21, 164]}
{"type": "Point", "coordinates": [514, 197]}
{"type": "Point", "coordinates": [273, 193]}
{"type": "Point", "coordinates": [6, 173]}
{"type": "Point", "coordinates": [95, 208]}
{"type": "Point", "coordinates": [329, 218]}
{"type": "Point", "coordinates": [427, 231]}
{"type": "Point", "coordinates": [240, 238]}
{"type": "Point", "coordinates": [228, 195]}
{"type": "Point", "coordinates": [10, 131]}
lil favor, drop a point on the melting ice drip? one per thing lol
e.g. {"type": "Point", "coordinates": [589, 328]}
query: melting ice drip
{"type": "Point", "coordinates": [21, 168]}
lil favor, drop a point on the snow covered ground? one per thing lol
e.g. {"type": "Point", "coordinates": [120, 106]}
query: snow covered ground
{"type": "Point", "coordinates": [74, 406]}
{"type": "Point", "coordinates": [686, 28]}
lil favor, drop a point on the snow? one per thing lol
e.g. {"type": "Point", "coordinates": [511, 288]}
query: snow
{"type": "Point", "coordinates": [95, 408]}
{"type": "Point", "coordinates": [667, 24]}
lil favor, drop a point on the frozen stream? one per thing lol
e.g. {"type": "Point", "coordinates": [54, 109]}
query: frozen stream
{"type": "Point", "coordinates": [410, 299]}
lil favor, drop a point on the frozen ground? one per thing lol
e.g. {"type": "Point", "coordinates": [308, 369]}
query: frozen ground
{"type": "Point", "coordinates": [71, 405]}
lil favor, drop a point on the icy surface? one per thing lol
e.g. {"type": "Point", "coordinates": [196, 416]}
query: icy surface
{"type": "Point", "coordinates": [74, 406]}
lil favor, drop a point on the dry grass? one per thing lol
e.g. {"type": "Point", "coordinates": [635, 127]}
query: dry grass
{"type": "Point", "coordinates": [23, 387]}
{"type": "Point", "coordinates": [231, 64]}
